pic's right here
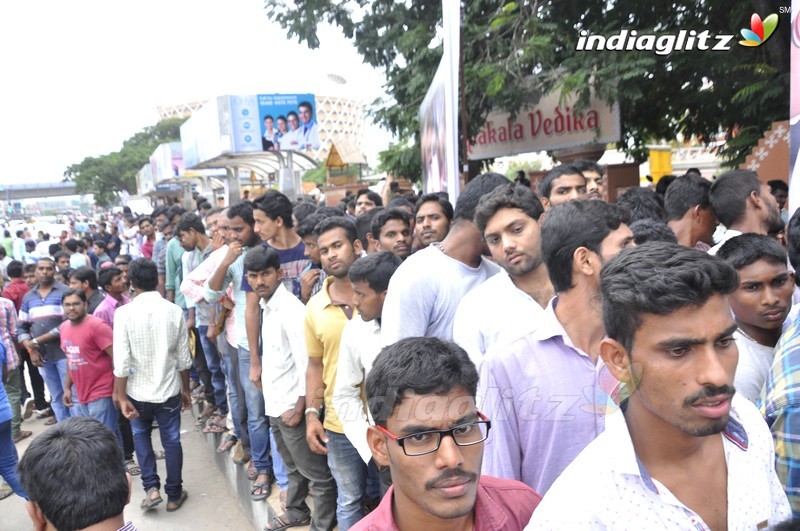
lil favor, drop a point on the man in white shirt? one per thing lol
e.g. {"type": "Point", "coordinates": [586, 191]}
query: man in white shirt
{"type": "Point", "coordinates": [151, 366]}
{"type": "Point", "coordinates": [508, 219]}
{"type": "Point", "coordinates": [425, 292]}
{"type": "Point", "coordinates": [760, 304]}
{"type": "Point", "coordinates": [283, 368]}
{"type": "Point", "coordinates": [683, 452]}
{"type": "Point", "coordinates": [361, 343]}
{"type": "Point", "coordinates": [743, 204]}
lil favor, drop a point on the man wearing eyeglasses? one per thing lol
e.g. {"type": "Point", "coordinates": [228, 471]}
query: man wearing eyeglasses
{"type": "Point", "coordinates": [421, 394]}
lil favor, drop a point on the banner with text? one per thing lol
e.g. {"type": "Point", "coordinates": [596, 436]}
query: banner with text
{"type": "Point", "coordinates": [549, 125]}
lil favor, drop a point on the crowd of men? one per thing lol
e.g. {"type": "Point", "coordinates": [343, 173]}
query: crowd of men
{"type": "Point", "coordinates": [531, 360]}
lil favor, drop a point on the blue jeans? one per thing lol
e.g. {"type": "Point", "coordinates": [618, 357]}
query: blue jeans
{"type": "Point", "coordinates": [257, 424]}
{"type": "Point", "coordinates": [350, 473]}
{"type": "Point", "coordinates": [168, 416]}
{"type": "Point", "coordinates": [231, 367]}
{"type": "Point", "coordinates": [54, 374]}
{"type": "Point", "coordinates": [8, 459]}
{"type": "Point", "coordinates": [215, 367]}
{"type": "Point", "coordinates": [103, 410]}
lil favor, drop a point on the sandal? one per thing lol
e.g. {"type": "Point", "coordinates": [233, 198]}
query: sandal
{"type": "Point", "coordinates": [283, 522]}
{"type": "Point", "coordinates": [266, 489]}
{"type": "Point", "coordinates": [175, 505]}
{"type": "Point", "coordinates": [149, 502]}
{"type": "Point", "coordinates": [132, 468]}
{"type": "Point", "coordinates": [227, 443]}
{"type": "Point", "coordinates": [22, 434]}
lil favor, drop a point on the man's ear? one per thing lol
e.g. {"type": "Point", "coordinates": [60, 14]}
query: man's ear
{"type": "Point", "coordinates": [545, 203]}
{"type": "Point", "coordinates": [377, 444]}
{"type": "Point", "coordinates": [617, 359]}
{"type": "Point", "coordinates": [584, 262]}
{"type": "Point", "coordinates": [357, 247]}
{"type": "Point", "coordinates": [37, 516]}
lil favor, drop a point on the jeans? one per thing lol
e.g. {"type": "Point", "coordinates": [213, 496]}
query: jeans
{"type": "Point", "coordinates": [305, 469]}
{"type": "Point", "coordinates": [102, 410]}
{"type": "Point", "coordinates": [238, 407]}
{"type": "Point", "coordinates": [350, 473]}
{"type": "Point", "coordinates": [8, 459]}
{"type": "Point", "coordinates": [281, 472]}
{"type": "Point", "coordinates": [168, 416]}
{"type": "Point", "coordinates": [215, 367]}
{"type": "Point", "coordinates": [54, 374]}
{"type": "Point", "coordinates": [14, 392]}
{"type": "Point", "coordinates": [257, 424]}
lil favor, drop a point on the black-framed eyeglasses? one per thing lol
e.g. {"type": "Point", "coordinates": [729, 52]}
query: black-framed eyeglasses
{"type": "Point", "coordinates": [426, 442]}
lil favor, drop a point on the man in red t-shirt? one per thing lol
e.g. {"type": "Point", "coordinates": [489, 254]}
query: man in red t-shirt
{"type": "Point", "coordinates": [87, 342]}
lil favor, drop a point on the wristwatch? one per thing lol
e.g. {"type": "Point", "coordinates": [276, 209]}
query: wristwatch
{"type": "Point", "coordinates": [312, 410]}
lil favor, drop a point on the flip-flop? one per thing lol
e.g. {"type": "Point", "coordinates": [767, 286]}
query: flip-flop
{"type": "Point", "coordinates": [22, 434]}
{"type": "Point", "coordinates": [266, 490]}
{"type": "Point", "coordinates": [149, 502]}
{"type": "Point", "coordinates": [283, 522]}
{"type": "Point", "coordinates": [227, 443]}
{"type": "Point", "coordinates": [213, 427]}
{"type": "Point", "coordinates": [175, 505]}
{"type": "Point", "coordinates": [132, 468]}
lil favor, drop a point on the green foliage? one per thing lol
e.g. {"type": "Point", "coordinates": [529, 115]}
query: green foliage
{"type": "Point", "coordinates": [514, 52]}
{"type": "Point", "coordinates": [402, 160]}
{"type": "Point", "coordinates": [315, 175]}
{"type": "Point", "coordinates": [107, 175]}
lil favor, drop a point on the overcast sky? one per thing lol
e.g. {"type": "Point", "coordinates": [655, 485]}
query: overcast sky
{"type": "Point", "coordinates": [80, 77]}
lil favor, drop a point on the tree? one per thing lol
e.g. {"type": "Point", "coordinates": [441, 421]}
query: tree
{"type": "Point", "coordinates": [514, 52]}
{"type": "Point", "coordinates": [403, 160]}
{"type": "Point", "coordinates": [107, 175]}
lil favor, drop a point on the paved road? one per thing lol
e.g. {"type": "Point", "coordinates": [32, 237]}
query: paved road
{"type": "Point", "coordinates": [211, 504]}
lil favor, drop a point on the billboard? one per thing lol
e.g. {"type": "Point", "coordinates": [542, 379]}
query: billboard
{"type": "Point", "coordinates": [274, 122]}
{"type": "Point", "coordinates": [551, 124]}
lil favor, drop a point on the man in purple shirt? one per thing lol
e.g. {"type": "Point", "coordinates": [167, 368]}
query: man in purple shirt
{"type": "Point", "coordinates": [112, 280]}
{"type": "Point", "coordinates": [547, 390]}
{"type": "Point", "coordinates": [421, 394]}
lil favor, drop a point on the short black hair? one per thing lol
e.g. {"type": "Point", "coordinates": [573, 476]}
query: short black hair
{"type": "Point", "coordinates": [447, 207]}
{"type": "Point", "coordinates": [14, 269]}
{"type": "Point", "coordinates": [329, 211]}
{"type": "Point", "coordinates": [30, 268]}
{"type": "Point", "coordinates": [652, 230]}
{"type": "Point", "coordinates": [106, 275]}
{"type": "Point", "coordinates": [306, 227]}
{"type": "Point", "coordinates": [729, 194]}
{"type": "Point", "coordinates": [261, 258]}
{"type": "Point", "coordinates": [190, 221]}
{"type": "Point", "coordinates": [72, 245]}
{"type": "Point", "coordinates": [244, 210]}
{"type": "Point", "coordinates": [100, 244]}
{"type": "Point", "coordinates": [575, 224]}
{"type": "Point", "coordinates": [364, 225]}
{"type": "Point", "coordinates": [159, 210]}
{"type": "Point", "coordinates": [588, 165]}
{"type": "Point", "coordinates": [372, 196]}
{"type": "Point", "coordinates": [85, 274]}
{"type": "Point", "coordinates": [685, 193]}
{"type": "Point", "coordinates": [400, 202]}
{"type": "Point", "coordinates": [143, 219]}
{"type": "Point", "coordinates": [275, 205]}
{"type": "Point", "coordinates": [792, 242]}
{"type": "Point", "coordinates": [386, 215]}
{"type": "Point", "coordinates": [74, 472]}
{"type": "Point", "coordinates": [60, 254]}
{"type": "Point", "coordinates": [546, 185]}
{"type": "Point", "coordinates": [143, 274]}
{"type": "Point", "coordinates": [418, 366]}
{"type": "Point", "coordinates": [471, 195]}
{"type": "Point", "coordinates": [54, 248]}
{"type": "Point", "coordinates": [175, 210]}
{"type": "Point", "coordinates": [664, 184]}
{"type": "Point", "coordinates": [123, 259]}
{"type": "Point", "coordinates": [642, 203]}
{"type": "Point", "coordinates": [337, 222]}
{"type": "Point", "coordinates": [776, 185]}
{"type": "Point", "coordinates": [658, 278]}
{"type": "Point", "coordinates": [307, 105]}
{"type": "Point", "coordinates": [78, 293]}
{"type": "Point", "coordinates": [745, 249]}
{"type": "Point", "coordinates": [507, 196]}
{"type": "Point", "coordinates": [376, 269]}
{"type": "Point", "coordinates": [302, 210]}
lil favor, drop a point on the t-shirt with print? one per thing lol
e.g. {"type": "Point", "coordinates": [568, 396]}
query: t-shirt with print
{"type": "Point", "coordinates": [293, 262]}
{"type": "Point", "coordinates": [91, 368]}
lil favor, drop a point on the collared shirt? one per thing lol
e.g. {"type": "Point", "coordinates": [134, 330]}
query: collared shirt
{"type": "Point", "coordinates": [615, 490]}
{"type": "Point", "coordinates": [284, 359]}
{"type": "Point", "coordinates": [15, 290]}
{"type": "Point", "coordinates": [513, 313]}
{"type": "Point", "coordinates": [127, 527]}
{"type": "Point", "coordinates": [500, 504]}
{"type": "Point", "coordinates": [360, 344]}
{"type": "Point", "coordinates": [39, 316]}
{"type": "Point", "coordinates": [727, 235]}
{"type": "Point", "coordinates": [190, 261]}
{"type": "Point", "coordinates": [8, 332]}
{"type": "Point", "coordinates": [193, 288]}
{"type": "Point", "coordinates": [547, 400]}
{"type": "Point", "coordinates": [233, 276]}
{"type": "Point", "coordinates": [755, 360]}
{"type": "Point", "coordinates": [108, 308]}
{"type": "Point", "coordinates": [324, 323]}
{"type": "Point", "coordinates": [780, 405]}
{"type": "Point", "coordinates": [151, 346]}
{"type": "Point", "coordinates": [424, 294]}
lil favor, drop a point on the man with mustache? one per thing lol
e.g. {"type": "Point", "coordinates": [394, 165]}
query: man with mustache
{"type": "Point", "coordinates": [428, 430]}
{"type": "Point", "coordinates": [391, 229]}
{"type": "Point", "coordinates": [760, 305]}
{"type": "Point", "coordinates": [742, 203]}
{"type": "Point", "coordinates": [683, 451]}
{"type": "Point", "coordinates": [434, 215]}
